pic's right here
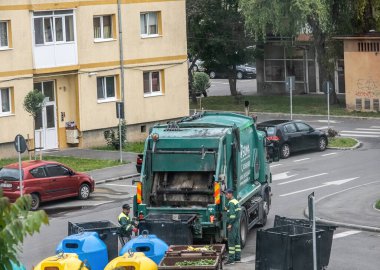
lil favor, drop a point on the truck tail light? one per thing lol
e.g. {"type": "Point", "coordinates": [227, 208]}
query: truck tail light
{"type": "Point", "coordinates": [141, 216]}
{"type": "Point", "coordinates": [139, 193]}
{"type": "Point", "coordinates": [217, 192]}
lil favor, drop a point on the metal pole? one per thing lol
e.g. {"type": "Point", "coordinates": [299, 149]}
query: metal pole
{"type": "Point", "coordinates": [120, 144]}
{"type": "Point", "coordinates": [19, 164]}
{"type": "Point", "coordinates": [291, 98]}
{"type": "Point", "coordinates": [314, 237]}
{"type": "Point", "coordinates": [121, 54]}
{"type": "Point", "coordinates": [328, 104]}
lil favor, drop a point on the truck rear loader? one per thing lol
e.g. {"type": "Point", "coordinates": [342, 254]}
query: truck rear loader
{"type": "Point", "coordinates": [188, 164]}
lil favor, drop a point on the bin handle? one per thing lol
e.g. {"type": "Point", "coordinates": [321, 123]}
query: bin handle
{"type": "Point", "coordinates": [145, 233]}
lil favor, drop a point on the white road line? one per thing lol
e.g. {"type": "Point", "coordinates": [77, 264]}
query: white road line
{"type": "Point", "coordinates": [303, 178]}
{"type": "Point", "coordinates": [325, 127]}
{"type": "Point", "coordinates": [359, 135]}
{"type": "Point", "coordinates": [369, 129]}
{"type": "Point", "coordinates": [375, 126]}
{"type": "Point", "coordinates": [281, 176]}
{"type": "Point", "coordinates": [344, 234]}
{"type": "Point", "coordinates": [335, 183]}
{"type": "Point", "coordinates": [120, 185]}
{"type": "Point", "coordinates": [298, 160]}
{"type": "Point", "coordinates": [329, 154]}
{"type": "Point", "coordinates": [275, 165]}
{"type": "Point", "coordinates": [360, 132]}
{"type": "Point", "coordinates": [325, 121]}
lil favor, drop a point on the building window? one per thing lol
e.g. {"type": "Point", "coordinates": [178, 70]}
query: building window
{"type": "Point", "coordinates": [4, 35]}
{"type": "Point", "coordinates": [52, 27]}
{"type": "Point", "coordinates": [106, 88]}
{"type": "Point", "coordinates": [103, 27]}
{"type": "Point", "coordinates": [5, 101]}
{"type": "Point", "coordinates": [152, 85]}
{"type": "Point", "coordinates": [149, 24]}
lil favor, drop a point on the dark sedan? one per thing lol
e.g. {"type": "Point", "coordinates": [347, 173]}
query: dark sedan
{"type": "Point", "coordinates": [293, 136]}
{"type": "Point", "coordinates": [242, 72]}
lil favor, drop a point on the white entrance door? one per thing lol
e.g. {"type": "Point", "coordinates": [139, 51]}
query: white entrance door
{"type": "Point", "coordinates": [46, 121]}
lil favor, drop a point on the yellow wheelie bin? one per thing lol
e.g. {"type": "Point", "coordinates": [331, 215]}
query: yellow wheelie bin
{"type": "Point", "coordinates": [136, 260]}
{"type": "Point", "coordinates": [63, 261]}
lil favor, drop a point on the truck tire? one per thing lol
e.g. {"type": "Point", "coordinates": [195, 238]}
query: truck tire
{"type": "Point", "coordinates": [243, 227]}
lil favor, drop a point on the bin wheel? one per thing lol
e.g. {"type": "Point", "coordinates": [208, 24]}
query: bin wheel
{"type": "Point", "coordinates": [265, 209]}
{"type": "Point", "coordinates": [243, 227]}
{"type": "Point", "coordinates": [84, 192]}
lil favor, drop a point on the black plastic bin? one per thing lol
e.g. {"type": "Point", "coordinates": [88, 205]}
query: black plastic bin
{"type": "Point", "coordinates": [326, 235]}
{"type": "Point", "coordinates": [107, 231]}
{"type": "Point", "coordinates": [174, 229]}
{"type": "Point", "coordinates": [287, 247]}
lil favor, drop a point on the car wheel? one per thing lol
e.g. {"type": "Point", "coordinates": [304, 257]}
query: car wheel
{"type": "Point", "coordinates": [239, 75]}
{"type": "Point", "coordinates": [322, 144]}
{"type": "Point", "coordinates": [84, 192]}
{"type": "Point", "coordinates": [285, 150]}
{"type": "Point", "coordinates": [243, 228]}
{"type": "Point", "coordinates": [35, 202]}
{"type": "Point", "coordinates": [212, 75]}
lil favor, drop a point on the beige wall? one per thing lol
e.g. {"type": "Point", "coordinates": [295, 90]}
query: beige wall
{"type": "Point", "coordinates": [76, 87]}
{"type": "Point", "coordinates": [362, 75]}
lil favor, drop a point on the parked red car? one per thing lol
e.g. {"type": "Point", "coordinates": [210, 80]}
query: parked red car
{"type": "Point", "coordinates": [45, 181]}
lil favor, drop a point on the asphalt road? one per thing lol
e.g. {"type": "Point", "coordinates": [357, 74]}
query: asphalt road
{"type": "Point", "coordinates": [324, 173]}
{"type": "Point", "coordinates": [220, 87]}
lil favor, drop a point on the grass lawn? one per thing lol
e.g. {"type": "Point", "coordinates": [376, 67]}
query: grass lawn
{"type": "Point", "coordinates": [135, 147]}
{"type": "Point", "coordinates": [342, 142]}
{"type": "Point", "coordinates": [302, 104]}
{"type": "Point", "coordinates": [78, 164]}
{"type": "Point", "coordinates": [377, 205]}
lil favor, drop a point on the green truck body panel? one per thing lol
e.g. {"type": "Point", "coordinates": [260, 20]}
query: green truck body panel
{"type": "Point", "coordinates": [183, 160]}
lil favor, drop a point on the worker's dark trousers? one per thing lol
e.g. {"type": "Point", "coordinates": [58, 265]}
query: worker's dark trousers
{"type": "Point", "coordinates": [234, 249]}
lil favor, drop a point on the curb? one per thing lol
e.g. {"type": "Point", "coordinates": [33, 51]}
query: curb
{"type": "Point", "coordinates": [342, 224]}
{"type": "Point", "coordinates": [117, 178]}
{"type": "Point", "coordinates": [357, 145]}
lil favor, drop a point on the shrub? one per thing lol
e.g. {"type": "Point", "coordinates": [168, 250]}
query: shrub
{"type": "Point", "coordinates": [332, 133]}
{"type": "Point", "coordinates": [112, 136]}
{"type": "Point", "coordinates": [201, 82]}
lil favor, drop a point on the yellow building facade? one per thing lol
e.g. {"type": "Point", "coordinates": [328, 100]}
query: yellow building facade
{"type": "Point", "coordinates": [69, 50]}
{"type": "Point", "coordinates": [362, 71]}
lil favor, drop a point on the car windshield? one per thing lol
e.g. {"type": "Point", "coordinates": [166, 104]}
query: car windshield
{"type": "Point", "coordinates": [9, 174]}
{"type": "Point", "coordinates": [271, 131]}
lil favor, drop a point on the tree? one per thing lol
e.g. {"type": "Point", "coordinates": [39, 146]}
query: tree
{"type": "Point", "coordinates": [323, 19]}
{"type": "Point", "coordinates": [201, 83]}
{"type": "Point", "coordinates": [33, 104]}
{"type": "Point", "coordinates": [216, 34]}
{"type": "Point", "coordinates": [16, 222]}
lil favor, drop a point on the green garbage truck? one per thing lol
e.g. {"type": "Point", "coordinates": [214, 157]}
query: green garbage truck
{"type": "Point", "coordinates": [188, 164]}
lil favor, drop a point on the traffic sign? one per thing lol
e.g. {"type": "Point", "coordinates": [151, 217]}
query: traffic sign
{"type": "Point", "coordinates": [20, 144]}
{"type": "Point", "coordinates": [120, 110]}
{"type": "Point", "coordinates": [327, 87]}
{"type": "Point", "coordinates": [290, 84]}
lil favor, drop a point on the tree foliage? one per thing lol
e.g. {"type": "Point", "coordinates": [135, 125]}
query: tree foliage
{"type": "Point", "coordinates": [16, 222]}
{"type": "Point", "coordinates": [216, 34]}
{"type": "Point", "coordinates": [112, 136]}
{"type": "Point", "coordinates": [33, 102]}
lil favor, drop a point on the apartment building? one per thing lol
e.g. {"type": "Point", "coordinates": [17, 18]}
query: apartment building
{"type": "Point", "coordinates": [69, 50]}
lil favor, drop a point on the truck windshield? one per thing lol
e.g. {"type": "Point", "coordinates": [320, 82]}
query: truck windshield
{"type": "Point", "coordinates": [182, 189]}
{"type": "Point", "coordinates": [9, 174]}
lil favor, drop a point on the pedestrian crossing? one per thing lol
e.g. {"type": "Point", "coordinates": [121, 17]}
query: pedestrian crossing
{"type": "Point", "coordinates": [371, 132]}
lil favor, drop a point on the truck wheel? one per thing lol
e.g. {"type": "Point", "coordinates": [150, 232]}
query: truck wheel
{"type": "Point", "coordinates": [243, 227]}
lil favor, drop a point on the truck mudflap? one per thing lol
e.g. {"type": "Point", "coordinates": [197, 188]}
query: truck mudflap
{"type": "Point", "coordinates": [174, 229]}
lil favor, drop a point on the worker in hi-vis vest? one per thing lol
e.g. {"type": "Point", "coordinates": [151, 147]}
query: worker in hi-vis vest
{"type": "Point", "coordinates": [127, 224]}
{"type": "Point", "coordinates": [233, 228]}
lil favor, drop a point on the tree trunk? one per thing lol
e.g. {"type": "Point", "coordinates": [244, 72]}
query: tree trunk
{"type": "Point", "coordinates": [190, 74]}
{"type": "Point", "coordinates": [232, 81]}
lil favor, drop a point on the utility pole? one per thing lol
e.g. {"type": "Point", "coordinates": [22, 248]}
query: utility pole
{"type": "Point", "coordinates": [121, 54]}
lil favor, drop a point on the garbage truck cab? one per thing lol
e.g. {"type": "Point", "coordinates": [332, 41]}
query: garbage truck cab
{"type": "Point", "coordinates": [186, 167]}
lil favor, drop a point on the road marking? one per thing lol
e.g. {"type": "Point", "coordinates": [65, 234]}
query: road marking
{"type": "Point", "coordinates": [360, 132]}
{"type": "Point", "coordinates": [326, 121]}
{"type": "Point", "coordinates": [281, 176]}
{"type": "Point", "coordinates": [375, 126]}
{"type": "Point", "coordinates": [248, 259]}
{"type": "Point", "coordinates": [120, 185]}
{"type": "Point", "coordinates": [275, 165]}
{"type": "Point", "coordinates": [335, 183]}
{"type": "Point", "coordinates": [329, 154]}
{"type": "Point", "coordinates": [303, 178]}
{"type": "Point", "coordinates": [299, 160]}
{"type": "Point", "coordinates": [344, 234]}
{"type": "Point", "coordinates": [360, 135]}
{"type": "Point", "coordinates": [369, 129]}
{"type": "Point", "coordinates": [325, 127]}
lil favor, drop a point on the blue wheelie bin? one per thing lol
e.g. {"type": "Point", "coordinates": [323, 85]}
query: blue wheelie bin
{"type": "Point", "coordinates": [89, 248]}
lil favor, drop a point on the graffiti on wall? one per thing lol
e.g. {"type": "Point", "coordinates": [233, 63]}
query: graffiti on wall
{"type": "Point", "coordinates": [367, 88]}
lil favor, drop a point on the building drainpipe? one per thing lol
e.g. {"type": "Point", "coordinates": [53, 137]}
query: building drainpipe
{"type": "Point", "coordinates": [121, 54]}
